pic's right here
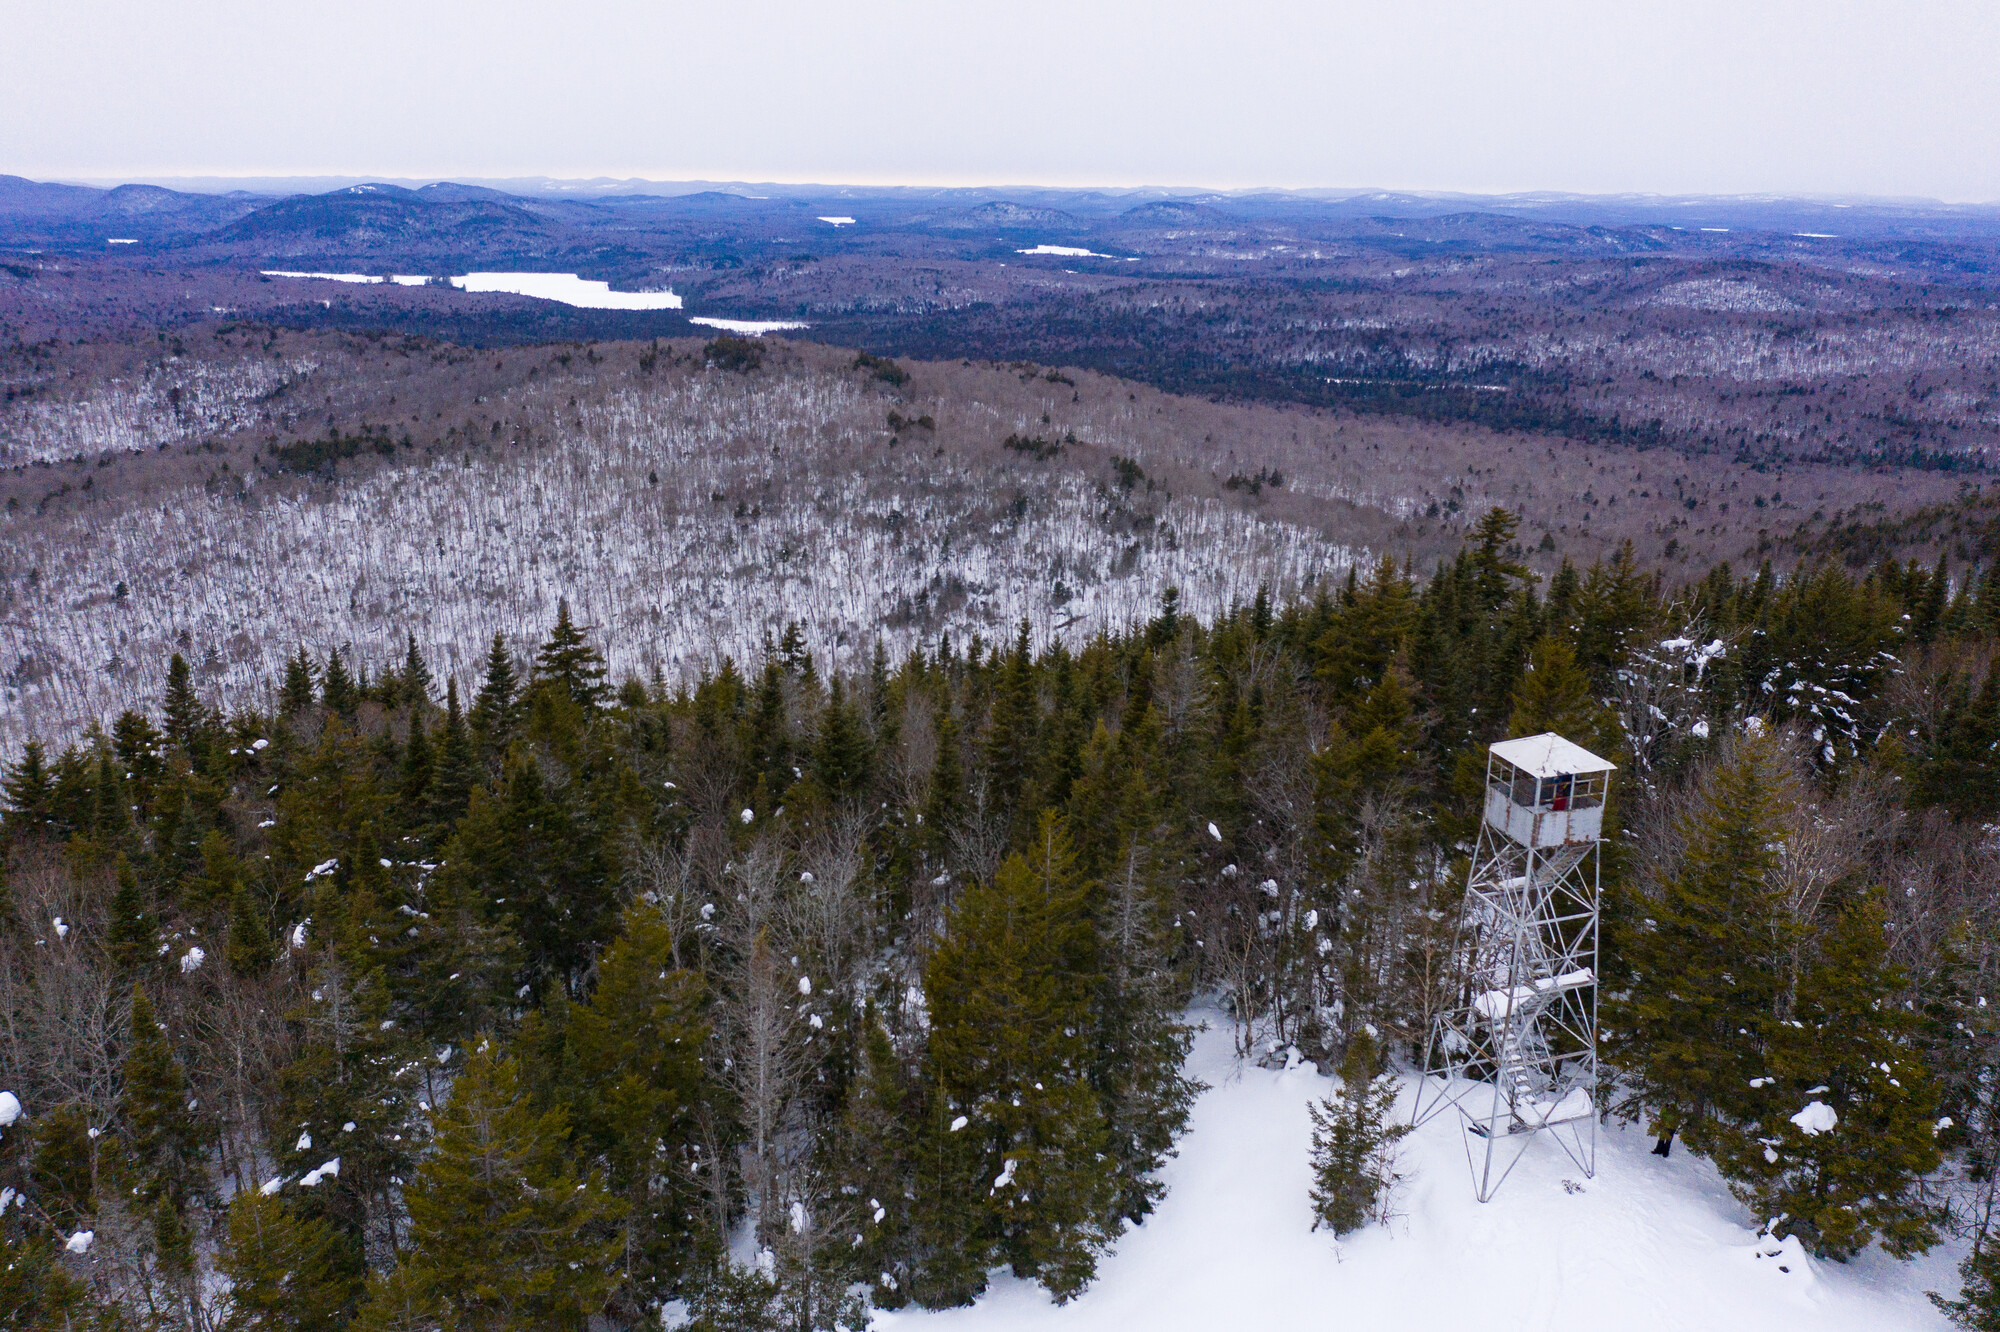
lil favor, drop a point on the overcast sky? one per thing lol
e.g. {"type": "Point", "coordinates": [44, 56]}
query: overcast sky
{"type": "Point", "coordinates": [1894, 97]}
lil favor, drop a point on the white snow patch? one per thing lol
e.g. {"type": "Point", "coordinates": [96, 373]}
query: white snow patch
{"type": "Point", "coordinates": [312, 1177]}
{"type": "Point", "coordinates": [323, 277]}
{"type": "Point", "coordinates": [1817, 1118]}
{"type": "Point", "coordinates": [838, 221]}
{"type": "Point", "coordinates": [1068, 251]}
{"type": "Point", "coordinates": [272, 1185]}
{"type": "Point", "coordinates": [1648, 1244]}
{"type": "Point", "coordinates": [409, 279]}
{"type": "Point", "coordinates": [81, 1241]}
{"type": "Point", "coordinates": [755, 328]}
{"type": "Point", "coordinates": [10, 1108]}
{"type": "Point", "coordinates": [569, 289]}
{"type": "Point", "coordinates": [121, 240]}
{"type": "Point", "coordinates": [191, 961]}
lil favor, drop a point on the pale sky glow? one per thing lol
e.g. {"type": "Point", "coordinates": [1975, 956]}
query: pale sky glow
{"type": "Point", "coordinates": [1742, 97]}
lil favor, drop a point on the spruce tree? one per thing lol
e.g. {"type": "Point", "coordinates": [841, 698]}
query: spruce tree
{"type": "Point", "coordinates": [494, 710]}
{"type": "Point", "coordinates": [457, 764]}
{"type": "Point", "coordinates": [29, 791]}
{"type": "Point", "coordinates": [632, 1079]}
{"type": "Point", "coordinates": [287, 1272]}
{"type": "Point", "coordinates": [250, 950]}
{"type": "Point", "coordinates": [1704, 961]}
{"type": "Point", "coordinates": [1010, 990]}
{"type": "Point", "coordinates": [338, 691]}
{"type": "Point", "coordinates": [502, 1234]}
{"type": "Point", "coordinates": [166, 1142]}
{"type": "Point", "coordinates": [419, 769]}
{"type": "Point", "coordinates": [417, 680]}
{"type": "Point", "coordinates": [567, 659]}
{"type": "Point", "coordinates": [216, 882]}
{"type": "Point", "coordinates": [301, 685]}
{"type": "Point", "coordinates": [1838, 1133]}
{"type": "Point", "coordinates": [185, 716]}
{"type": "Point", "coordinates": [1977, 1308]}
{"type": "Point", "coordinates": [1354, 1138]}
{"type": "Point", "coordinates": [129, 935]}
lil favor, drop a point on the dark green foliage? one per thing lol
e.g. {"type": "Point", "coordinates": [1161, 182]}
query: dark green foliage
{"type": "Point", "coordinates": [1704, 961]}
{"type": "Point", "coordinates": [502, 1233]}
{"type": "Point", "coordinates": [1354, 1139]}
{"type": "Point", "coordinates": [337, 691]}
{"type": "Point", "coordinates": [995, 867]}
{"type": "Point", "coordinates": [312, 455]}
{"type": "Point", "coordinates": [882, 368]}
{"type": "Point", "coordinates": [568, 662]}
{"type": "Point", "coordinates": [1845, 1046]}
{"type": "Point", "coordinates": [739, 354]}
{"type": "Point", "coordinates": [300, 689]}
{"type": "Point", "coordinates": [1010, 989]}
{"type": "Point", "coordinates": [1977, 1308]}
{"type": "Point", "coordinates": [494, 711]}
{"type": "Point", "coordinates": [289, 1273]}
{"type": "Point", "coordinates": [166, 1141]}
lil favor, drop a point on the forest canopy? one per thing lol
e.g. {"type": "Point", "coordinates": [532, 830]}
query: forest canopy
{"type": "Point", "coordinates": [520, 1000]}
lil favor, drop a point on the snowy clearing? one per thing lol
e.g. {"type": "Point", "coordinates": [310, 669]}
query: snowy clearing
{"type": "Point", "coordinates": [409, 279]}
{"type": "Point", "coordinates": [1068, 251]}
{"type": "Point", "coordinates": [1648, 1244]}
{"type": "Point", "coordinates": [755, 328]}
{"type": "Point", "coordinates": [838, 221]}
{"type": "Point", "coordinates": [323, 277]}
{"type": "Point", "coordinates": [569, 289]}
{"type": "Point", "coordinates": [121, 240]}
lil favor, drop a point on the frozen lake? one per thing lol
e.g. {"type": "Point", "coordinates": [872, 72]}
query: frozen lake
{"type": "Point", "coordinates": [755, 328]}
{"type": "Point", "coordinates": [569, 289]}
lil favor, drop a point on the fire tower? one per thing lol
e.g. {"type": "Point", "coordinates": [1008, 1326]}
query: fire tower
{"type": "Point", "coordinates": [1516, 1052]}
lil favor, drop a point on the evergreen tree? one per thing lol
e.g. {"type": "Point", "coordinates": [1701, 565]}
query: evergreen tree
{"type": "Point", "coordinates": [417, 680]}
{"type": "Point", "coordinates": [1010, 990]}
{"type": "Point", "coordinates": [129, 936]}
{"type": "Point", "coordinates": [63, 1174]}
{"type": "Point", "coordinates": [1010, 740]}
{"type": "Point", "coordinates": [457, 763]}
{"type": "Point", "coordinates": [502, 1236]}
{"type": "Point", "coordinates": [419, 769]}
{"type": "Point", "coordinates": [1354, 1138]}
{"type": "Point", "coordinates": [1977, 1308]}
{"type": "Point", "coordinates": [166, 1143]}
{"type": "Point", "coordinates": [1704, 961]}
{"type": "Point", "coordinates": [1963, 771]}
{"type": "Point", "coordinates": [185, 716]}
{"type": "Point", "coordinates": [494, 711]}
{"type": "Point", "coordinates": [250, 951]}
{"type": "Point", "coordinates": [568, 660]}
{"type": "Point", "coordinates": [301, 686]}
{"type": "Point", "coordinates": [840, 758]}
{"type": "Point", "coordinates": [287, 1272]}
{"type": "Point", "coordinates": [1554, 695]}
{"type": "Point", "coordinates": [216, 882]}
{"type": "Point", "coordinates": [30, 792]}
{"type": "Point", "coordinates": [338, 691]}
{"type": "Point", "coordinates": [1838, 1137]}
{"type": "Point", "coordinates": [632, 1078]}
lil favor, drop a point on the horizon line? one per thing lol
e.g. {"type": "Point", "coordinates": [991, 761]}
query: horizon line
{"type": "Point", "coordinates": [340, 179]}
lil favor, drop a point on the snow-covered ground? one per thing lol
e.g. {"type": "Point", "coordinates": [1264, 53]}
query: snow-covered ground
{"type": "Point", "coordinates": [569, 289]}
{"type": "Point", "coordinates": [755, 328]}
{"type": "Point", "coordinates": [1647, 1244]}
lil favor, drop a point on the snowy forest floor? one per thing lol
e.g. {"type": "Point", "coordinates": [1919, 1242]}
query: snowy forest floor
{"type": "Point", "coordinates": [1647, 1244]}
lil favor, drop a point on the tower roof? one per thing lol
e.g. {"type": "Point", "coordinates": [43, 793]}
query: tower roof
{"type": "Point", "coordinates": [1549, 755]}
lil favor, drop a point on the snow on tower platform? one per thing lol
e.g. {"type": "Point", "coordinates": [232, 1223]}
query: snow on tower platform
{"type": "Point", "coordinates": [1514, 1051]}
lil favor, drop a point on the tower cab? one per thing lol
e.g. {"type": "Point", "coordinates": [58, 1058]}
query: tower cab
{"type": "Point", "coordinates": [1542, 791]}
